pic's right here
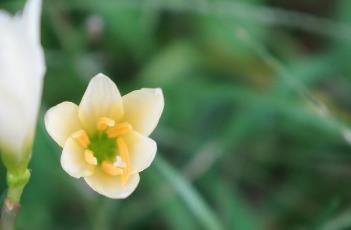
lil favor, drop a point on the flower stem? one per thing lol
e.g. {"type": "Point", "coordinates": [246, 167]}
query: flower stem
{"type": "Point", "coordinates": [9, 213]}
{"type": "Point", "coordinates": [11, 206]}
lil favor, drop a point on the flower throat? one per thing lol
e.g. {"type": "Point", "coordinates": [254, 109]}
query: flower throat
{"type": "Point", "coordinates": [107, 148]}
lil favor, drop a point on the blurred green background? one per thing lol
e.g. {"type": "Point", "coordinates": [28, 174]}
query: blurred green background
{"type": "Point", "coordinates": [258, 101]}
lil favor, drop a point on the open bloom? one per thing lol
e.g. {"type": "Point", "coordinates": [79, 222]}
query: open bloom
{"type": "Point", "coordinates": [105, 138]}
{"type": "Point", "coordinates": [22, 70]}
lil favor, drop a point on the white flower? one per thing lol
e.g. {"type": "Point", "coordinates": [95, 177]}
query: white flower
{"type": "Point", "coordinates": [105, 138]}
{"type": "Point", "coordinates": [22, 69]}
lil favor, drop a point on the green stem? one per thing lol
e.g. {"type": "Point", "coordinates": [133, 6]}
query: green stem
{"type": "Point", "coordinates": [101, 220]}
{"type": "Point", "coordinates": [9, 213]}
{"type": "Point", "coordinates": [11, 206]}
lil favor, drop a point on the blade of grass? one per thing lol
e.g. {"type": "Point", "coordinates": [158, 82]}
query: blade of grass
{"type": "Point", "coordinates": [319, 107]}
{"type": "Point", "coordinates": [189, 195]}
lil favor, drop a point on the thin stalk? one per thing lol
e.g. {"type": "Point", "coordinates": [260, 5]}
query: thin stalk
{"type": "Point", "coordinates": [11, 205]}
{"type": "Point", "coordinates": [9, 212]}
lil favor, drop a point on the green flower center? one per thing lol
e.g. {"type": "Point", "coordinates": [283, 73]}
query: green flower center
{"type": "Point", "coordinates": [104, 148]}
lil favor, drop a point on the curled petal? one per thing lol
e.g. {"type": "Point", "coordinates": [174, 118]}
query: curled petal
{"type": "Point", "coordinates": [31, 18]}
{"type": "Point", "coordinates": [142, 151]}
{"type": "Point", "coordinates": [143, 109]}
{"type": "Point", "coordinates": [101, 99]}
{"type": "Point", "coordinates": [61, 121]}
{"type": "Point", "coordinates": [22, 69]}
{"type": "Point", "coordinates": [73, 160]}
{"type": "Point", "coordinates": [111, 186]}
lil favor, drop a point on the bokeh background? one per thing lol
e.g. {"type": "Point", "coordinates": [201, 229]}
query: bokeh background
{"type": "Point", "coordinates": [254, 134]}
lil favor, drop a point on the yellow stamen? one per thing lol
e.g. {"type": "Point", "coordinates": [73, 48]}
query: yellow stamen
{"type": "Point", "coordinates": [104, 123]}
{"type": "Point", "coordinates": [111, 170]}
{"type": "Point", "coordinates": [124, 153]}
{"type": "Point", "coordinates": [119, 130]}
{"type": "Point", "coordinates": [82, 138]}
{"type": "Point", "coordinates": [89, 157]}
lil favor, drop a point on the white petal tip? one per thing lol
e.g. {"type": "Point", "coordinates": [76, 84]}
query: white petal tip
{"type": "Point", "coordinates": [153, 91]}
{"type": "Point", "coordinates": [101, 75]}
{"type": "Point", "coordinates": [31, 17]}
{"type": "Point", "coordinates": [158, 92]}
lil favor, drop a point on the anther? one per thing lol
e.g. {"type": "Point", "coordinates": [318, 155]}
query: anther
{"type": "Point", "coordinates": [124, 153]}
{"type": "Point", "coordinates": [104, 123]}
{"type": "Point", "coordinates": [82, 138]}
{"type": "Point", "coordinates": [89, 157]}
{"type": "Point", "coordinates": [110, 169]}
{"type": "Point", "coordinates": [119, 129]}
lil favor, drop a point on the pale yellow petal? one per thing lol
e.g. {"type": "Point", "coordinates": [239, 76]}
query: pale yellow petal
{"type": "Point", "coordinates": [61, 121]}
{"type": "Point", "coordinates": [101, 99]}
{"type": "Point", "coordinates": [110, 186]}
{"type": "Point", "coordinates": [142, 151]}
{"type": "Point", "coordinates": [73, 160]}
{"type": "Point", "coordinates": [143, 109]}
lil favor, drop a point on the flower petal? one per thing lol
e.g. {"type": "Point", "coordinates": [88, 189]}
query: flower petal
{"type": "Point", "coordinates": [5, 18]}
{"type": "Point", "coordinates": [72, 160]}
{"type": "Point", "coordinates": [31, 17]}
{"type": "Point", "coordinates": [101, 99]}
{"type": "Point", "coordinates": [22, 69]}
{"type": "Point", "coordinates": [61, 121]}
{"type": "Point", "coordinates": [111, 186]}
{"type": "Point", "coordinates": [142, 151]}
{"type": "Point", "coordinates": [143, 109]}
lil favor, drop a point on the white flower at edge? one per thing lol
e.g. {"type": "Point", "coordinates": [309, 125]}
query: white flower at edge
{"type": "Point", "coordinates": [105, 139]}
{"type": "Point", "coordinates": [22, 69]}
